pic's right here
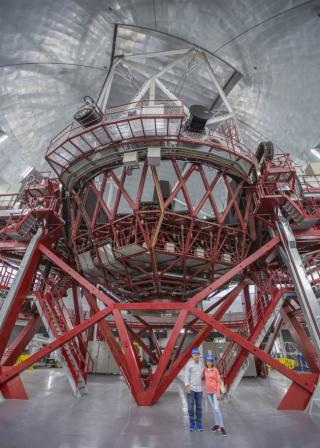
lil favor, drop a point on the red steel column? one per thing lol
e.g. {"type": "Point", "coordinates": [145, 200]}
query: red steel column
{"type": "Point", "coordinates": [22, 340]}
{"type": "Point", "coordinates": [19, 289]}
{"type": "Point", "coordinates": [182, 359]}
{"type": "Point", "coordinates": [225, 278]}
{"type": "Point", "coordinates": [308, 385]}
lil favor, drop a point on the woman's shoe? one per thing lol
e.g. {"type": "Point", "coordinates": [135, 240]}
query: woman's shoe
{"type": "Point", "coordinates": [192, 427]}
{"type": "Point", "coordinates": [199, 427]}
{"type": "Point", "coordinates": [215, 428]}
{"type": "Point", "coordinates": [223, 431]}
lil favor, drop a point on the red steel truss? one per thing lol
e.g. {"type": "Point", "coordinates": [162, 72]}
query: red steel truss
{"type": "Point", "coordinates": [145, 263]}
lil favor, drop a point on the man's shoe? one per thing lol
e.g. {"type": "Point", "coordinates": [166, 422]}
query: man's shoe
{"type": "Point", "coordinates": [199, 427]}
{"type": "Point", "coordinates": [192, 427]}
{"type": "Point", "coordinates": [215, 428]}
{"type": "Point", "coordinates": [223, 431]}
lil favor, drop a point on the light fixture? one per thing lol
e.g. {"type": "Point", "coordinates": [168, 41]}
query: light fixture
{"type": "Point", "coordinates": [315, 152]}
{"type": "Point", "coordinates": [25, 173]}
{"type": "Point", "coordinates": [3, 136]}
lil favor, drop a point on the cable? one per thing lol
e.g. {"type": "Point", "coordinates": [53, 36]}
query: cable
{"type": "Point", "coordinates": [53, 63]}
{"type": "Point", "coordinates": [155, 18]}
{"type": "Point", "coordinates": [262, 23]}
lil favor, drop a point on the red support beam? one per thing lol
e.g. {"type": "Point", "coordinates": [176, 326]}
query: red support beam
{"type": "Point", "coordinates": [155, 343]}
{"type": "Point", "coordinates": [165, 359]}
{"type": "Point", "coordinates": [75, 275]}
{"type": "Point", "coordinates": [13, 389]}
{"type": "Point", "coordinates": [130, 357]}
{"type": "Point", "coordinates": [300, 337]}
{"type": "Point", "coordinates": [228, 276]}
{"type": "Point", "coordinates": [31, 265]}
{"type": "Point", "coordinates": [255, 331]}
{"type": "Point", "coordinates": [181, 359]}
{"type": "Point", "coordinates": [247, 303]}
{"type": "Point", "coordinates": [179, 363]}
{"type": "Point", "coordinates": [78, 311]}
{"type": "Point", "coordinates": [135, 337]}
{"type": "Point", "coordinates": [108, 336]}
{"type": "Point", "coordinates": [274, 336]}
{"type": "Point", "coordinates": [59, 342]}
{"type": "Point", "coordinates": [229, 299]}
{"type": "Point", "coordinates": [307, 384]}
{"type": "Point", "coordinates": [134, 347]}
{"type": "Point", "coordinates": [22, 340]}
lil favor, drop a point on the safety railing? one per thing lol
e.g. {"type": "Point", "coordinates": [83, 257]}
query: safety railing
{"type": "Point", "coordinates": [277, 281]}
{"type": "Point", "coordinates": [120, 113]}
{"type": "Point", "coordinates": [29, 206]}
{"type": "Point", "coordinates": [63, 317]}
{"type": "Point", "coordinates": [54, 311]}
{"type": "Point", "coordinates": [283, 193]}
{"type": "Point", "coordinates": [7, 276]}
{"type": "Point", "coordinates": [46, 203]}
{"type": "Point", "coordinates": [310, 183]}
{"type": "Point", "coordinates": [8, 200]}
{"type": "Point", "coordinates": [282, 160]}
{"type": "Point", "coordinates": [72, 314]}
{"type": "Point", "coordinates": [229, 131]}
{"type": "Point", "coordinates": [131, 123]}
{"type": "Point", "coordinates": [312, 269]}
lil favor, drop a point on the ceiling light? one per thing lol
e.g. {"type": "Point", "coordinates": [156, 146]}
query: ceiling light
{"type": "Point", "coordinates": [25, 173]}
{"type": "Point", "coordinates": [3, 136]}
{"type": "Point", "coordinates": [315, 151]}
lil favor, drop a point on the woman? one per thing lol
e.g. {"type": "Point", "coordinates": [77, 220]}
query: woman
{"type": "Point", "coordinates": [213, 388]}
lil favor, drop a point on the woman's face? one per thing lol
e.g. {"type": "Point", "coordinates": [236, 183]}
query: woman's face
{"type": "Point", "coordinates": [209, 364]}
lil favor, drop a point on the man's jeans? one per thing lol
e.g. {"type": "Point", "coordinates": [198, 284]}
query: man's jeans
{"type": "Point", "coordinates": [195, 398]}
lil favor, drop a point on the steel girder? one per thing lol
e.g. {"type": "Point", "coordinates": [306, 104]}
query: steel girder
{"type": "Point", "coordinates": [158, 247]}
{"type": "Point", "coordinates": [148, 390]}
{"type": "Point", "coordinates": [216, 244]}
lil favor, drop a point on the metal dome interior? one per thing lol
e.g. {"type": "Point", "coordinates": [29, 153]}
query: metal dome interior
{"type": "Point", "coordinates": [61, 51]}
{"type": "Point", "coordinates": [182, 204]}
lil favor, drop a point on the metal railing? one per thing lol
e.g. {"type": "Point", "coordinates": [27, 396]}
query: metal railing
{"type": "Point", "coordinates": [276, 282]}
{"type": "Point", "coordinates": [310, 183]}
{"type": "Point", "coordinates": [128, 125]}
{"type": "Point", "coordinates": [56, 318]}
{"type": "Point", "coordinates": [7, 200]}
{"type": "Point", "coordinates": [118, 113]}
{"type": "Point", "coordinates": [7, 276]}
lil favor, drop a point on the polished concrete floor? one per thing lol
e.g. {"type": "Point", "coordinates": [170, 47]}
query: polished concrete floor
{"type": "Point", "coordinates": [108, 417]}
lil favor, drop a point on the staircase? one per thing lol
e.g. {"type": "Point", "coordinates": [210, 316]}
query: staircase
{"type": "Point", "coordinates": [261, 279]}
{"type": "Point", "coordinates": [235, 360]}
{"type": "Point", "coordinates": [299, 216]}
{"type": "Point", "coordinates": [7, 275]}
{"type": "Point", "coordinates": [40, 201]}
{"type": "Point", "coordinates": [75, 366]}
{"type": "Point", "coordinates": [305, 293]}
{"type": "Point", "coordinates": [60, 281]}
{"type": "Point", "coordinates": [27, 225]}
{"type": "Point", "coordinates": [21, 229]}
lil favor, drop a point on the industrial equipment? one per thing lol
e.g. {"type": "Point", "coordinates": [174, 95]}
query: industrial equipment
{"type": "Point", "coordinates": [197, 216]}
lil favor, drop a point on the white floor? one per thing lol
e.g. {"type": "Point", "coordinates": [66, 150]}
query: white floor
{"type": "Point", "coordinates": [108, 417]}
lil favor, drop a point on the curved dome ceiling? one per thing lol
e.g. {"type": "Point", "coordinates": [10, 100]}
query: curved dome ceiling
{"type": "Point", "coordinates": [55, 52]}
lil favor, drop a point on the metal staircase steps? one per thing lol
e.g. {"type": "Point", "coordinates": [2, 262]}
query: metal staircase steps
{"type": "Point", "coordinates": [55, 327]}
{"type": "Point", "coordinates": [302, 220]}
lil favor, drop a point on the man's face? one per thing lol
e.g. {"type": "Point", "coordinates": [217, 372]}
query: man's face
{"type": "Point", "coordinates": [196, 358]}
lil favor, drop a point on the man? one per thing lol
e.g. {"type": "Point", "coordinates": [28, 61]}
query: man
{"type": "Point", "coordinates": [193, 387]}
